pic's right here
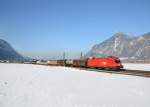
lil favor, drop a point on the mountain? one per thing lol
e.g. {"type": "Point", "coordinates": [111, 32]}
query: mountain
{"type": "Point", "coordinates": [8, 53]}
{"type": "Point", "coordinates": [124, 46]}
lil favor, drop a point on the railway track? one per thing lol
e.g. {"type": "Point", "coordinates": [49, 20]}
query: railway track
{"type": "Point", "coordinates": [122, 71]}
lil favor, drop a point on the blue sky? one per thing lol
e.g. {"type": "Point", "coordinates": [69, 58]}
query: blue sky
{"type": "Point", "coordinates": [47, 28]}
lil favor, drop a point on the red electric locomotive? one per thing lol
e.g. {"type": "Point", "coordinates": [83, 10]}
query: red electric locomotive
{"type": "Point", "coordinates": [109, 63]}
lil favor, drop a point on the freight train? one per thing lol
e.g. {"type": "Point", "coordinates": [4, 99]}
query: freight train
{"type": "Point", "coordinates": [108, 63]}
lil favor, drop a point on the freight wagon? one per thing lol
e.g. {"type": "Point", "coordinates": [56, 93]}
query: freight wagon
{"type": "Point", "coordinates": [79, 62]}
{"type": "Point", "coordinates": [41, 62]}
{"type": "Point", "coordinates": [69, 62]}
{"type": "Point", "coordinates": [52, 62]}
{"type": "Point", "coordinates": [61, 62]}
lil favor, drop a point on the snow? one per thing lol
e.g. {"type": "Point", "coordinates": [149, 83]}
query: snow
{"type": "Point", "coordinates": [139, 51]}
{"type": "Point", "coordinates": [131, 43]}
{"type": "Point", "coordinates": [25, 85]}
{"type": "Point", "coordinates": [132, 66]}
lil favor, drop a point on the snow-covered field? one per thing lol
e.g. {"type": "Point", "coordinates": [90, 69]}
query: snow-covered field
{"type": "Point", "coordinates": [132, 66]}
{"type": "Point", "coordinates": [23, 85]}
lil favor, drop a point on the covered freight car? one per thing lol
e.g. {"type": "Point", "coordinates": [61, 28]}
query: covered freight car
{"type": "Point", "coordinates": [57, 62]}
{"type": "Point", "coordinates": [61, 62]}
{"type": "Point", "coordinates": [52, 62]}
{"type": "Point", "coordinates": [69, 62]}
{"type": "Point", "coordinates": [79, 62]}
{"type": "Point", "coordinates": [41, 62]}
{"type": "Point", "coordinates": [76, 62]}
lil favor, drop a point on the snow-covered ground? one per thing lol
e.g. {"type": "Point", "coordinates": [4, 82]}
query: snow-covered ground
{"type": "Point", "coordinates": [23, 85]}
{"type": "Point", "coordinates": [132, 66]}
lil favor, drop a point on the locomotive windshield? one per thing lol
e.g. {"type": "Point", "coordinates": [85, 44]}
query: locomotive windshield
{"type": "Point", "coordinates": [117, 61]}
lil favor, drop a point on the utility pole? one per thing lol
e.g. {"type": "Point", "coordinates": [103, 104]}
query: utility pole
{"type": "Point", "coordinates": [64, 56]}
{"type": "Point", "coordinates": [81, 56]}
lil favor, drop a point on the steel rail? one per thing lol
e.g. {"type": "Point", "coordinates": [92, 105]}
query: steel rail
{"type": "Point", "coordinates": [122, 71]}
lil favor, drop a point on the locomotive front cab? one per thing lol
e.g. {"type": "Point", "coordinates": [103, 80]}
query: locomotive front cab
{"type": "Point", "coordinates": [111, 63]}
{"type": "Point", "coordinates": [117, 63]}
